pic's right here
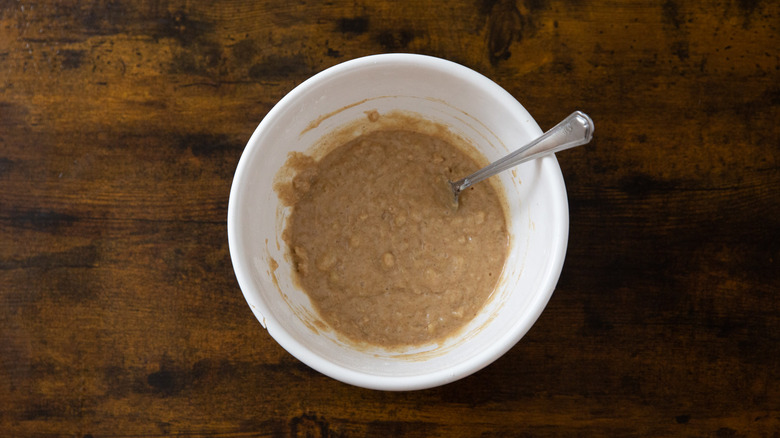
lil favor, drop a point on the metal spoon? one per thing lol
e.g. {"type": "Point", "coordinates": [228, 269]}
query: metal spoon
{"type": "Point", "coordinates": [575, 130]}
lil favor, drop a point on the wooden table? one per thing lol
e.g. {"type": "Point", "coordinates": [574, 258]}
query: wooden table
{"type": "Point", "coordinates": [121, 124]}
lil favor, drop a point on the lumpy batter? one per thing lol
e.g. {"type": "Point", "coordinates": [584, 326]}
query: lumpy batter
{"type": "Point", "coordinates": [383, 257]}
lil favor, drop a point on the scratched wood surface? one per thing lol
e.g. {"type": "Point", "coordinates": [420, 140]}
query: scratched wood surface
{"type": "Point", "coordinates": [121, 124]}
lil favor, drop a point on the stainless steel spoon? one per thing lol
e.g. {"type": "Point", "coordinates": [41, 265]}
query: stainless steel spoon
{"type": "Point", "coordinates": [575, 130]}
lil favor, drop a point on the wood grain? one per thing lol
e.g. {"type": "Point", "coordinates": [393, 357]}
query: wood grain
{"type": "Point", "coordinates": [121, 124]}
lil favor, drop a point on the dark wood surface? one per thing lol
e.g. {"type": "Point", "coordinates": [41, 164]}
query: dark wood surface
{"type": "Point", "coordinates": [121, 124]}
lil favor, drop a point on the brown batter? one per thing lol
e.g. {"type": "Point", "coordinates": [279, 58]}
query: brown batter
{"type": "Point", "coordinates": [383, 258]}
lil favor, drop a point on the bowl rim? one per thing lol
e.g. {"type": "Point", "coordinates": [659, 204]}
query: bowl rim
{"type": "Point", "coordinates": [550, 173]}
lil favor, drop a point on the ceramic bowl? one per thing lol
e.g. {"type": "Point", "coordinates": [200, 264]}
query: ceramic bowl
{"type": "Point", "coordinates": [473, 108]}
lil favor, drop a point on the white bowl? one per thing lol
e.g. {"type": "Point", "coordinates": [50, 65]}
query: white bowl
{"type": "Point", "coordinates": [473, 107]}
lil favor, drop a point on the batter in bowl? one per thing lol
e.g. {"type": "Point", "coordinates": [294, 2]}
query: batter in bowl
{"type": "Point", "coordinates": [376, 246]}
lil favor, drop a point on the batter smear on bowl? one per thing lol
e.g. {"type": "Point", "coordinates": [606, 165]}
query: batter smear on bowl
{"type": "Point", "coordinates": [374, 244]}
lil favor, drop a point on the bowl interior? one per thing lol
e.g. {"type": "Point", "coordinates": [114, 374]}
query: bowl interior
{"type": "Point", "coordinates": [473, 108]}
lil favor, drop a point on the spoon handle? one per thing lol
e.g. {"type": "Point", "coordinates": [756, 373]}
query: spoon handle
{"type": "Point", "coordinates": [575, 130]}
